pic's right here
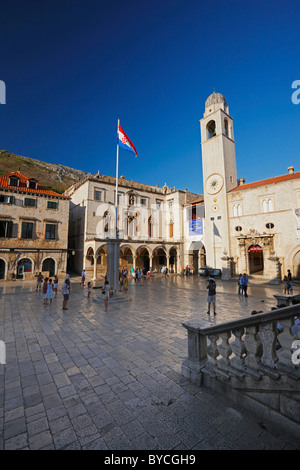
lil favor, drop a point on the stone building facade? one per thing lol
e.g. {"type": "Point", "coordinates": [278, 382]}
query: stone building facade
{"type": "Point", "coordinates": [150, 225]}
{"type": "Point", "coordinates": [33, 229]}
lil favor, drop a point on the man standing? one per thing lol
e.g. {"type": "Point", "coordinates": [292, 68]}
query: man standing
{"type": "Point", "coordinates": [66, 293]}
{"type": "Point", "coordinates": [39, 279]}
{"type": "Point", "coordinates": [244, 282]}
{"type": "Point", "coordinates": [211, 297]}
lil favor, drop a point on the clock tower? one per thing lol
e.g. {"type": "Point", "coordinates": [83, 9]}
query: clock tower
{"type": "Point", "coordinates": [219, 176]}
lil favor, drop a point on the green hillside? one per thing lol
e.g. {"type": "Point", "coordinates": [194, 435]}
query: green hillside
{"type": "Point", "coordinates": [50, 175]}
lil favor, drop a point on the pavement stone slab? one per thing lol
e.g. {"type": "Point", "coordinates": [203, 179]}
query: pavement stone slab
{"type": "Point", "coordinates": [89, 379]}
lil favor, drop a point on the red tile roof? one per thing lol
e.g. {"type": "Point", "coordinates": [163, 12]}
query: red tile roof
{"type": "Point", "coordinates": [4, 183]}
{"type": "Point", "coordinates": [274, 180]}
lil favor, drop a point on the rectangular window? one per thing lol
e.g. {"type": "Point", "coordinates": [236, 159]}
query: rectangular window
{"type": "Point", "coordinates": [52, 205]}
{"type": "Point", "coordinates": [50, 233]}
{"type": "Point", "coordinates": [29, 202]}
{"type": "Point", "coordinates": [97, 195]}
{"type": "Point", "coordinates": [13, 182]}
{"type": "Point", "coordinates": [171, 230]}
{"type": "Point", "coordinates": [7, 199]}
{"type": "Point", "coordinates": [27, 230]}
{"type": "Point", "coordinates": [32, 184]}
{"type": "Point", "coordinates": [6, 227]}
{"type": "Point", "coordinates": [144, 202]}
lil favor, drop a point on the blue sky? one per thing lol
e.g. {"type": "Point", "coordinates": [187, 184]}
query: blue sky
{"type": "Point", "coordinates": [72, 68]}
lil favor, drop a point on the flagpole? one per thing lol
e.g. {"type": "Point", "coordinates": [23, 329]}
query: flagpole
{"type": "Point", "coordinates": [117, 180]}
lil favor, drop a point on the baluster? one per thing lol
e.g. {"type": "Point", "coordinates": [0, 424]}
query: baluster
{"type": "Point", "coordinates": [268, 336]}
{"type": "Point", "coordinates": [285, 340]}
{"type": "Point", "coordinates": [253, 347]}
{"type": "Point", "coordinates": [224, 350]}
{"type": "Point", "coordinates": [212, 352]}
{"type": "Point", "coordinates": [239, 350]}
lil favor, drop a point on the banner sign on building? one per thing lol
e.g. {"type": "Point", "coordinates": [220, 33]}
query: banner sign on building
{"type": "Point", "coordinates": [196, 227]}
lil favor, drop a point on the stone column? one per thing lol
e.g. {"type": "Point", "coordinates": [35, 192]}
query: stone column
{"type": "Point", "coordinates": [274, 269]}
{"type": "Point", "coordinates": [95, 268]}
{"type": "Point", "coordinates": [226, 265]}
{"type": "Point", "coordinates": [197, 355]}
{"type": "Point", "coordinates": [113, 262]}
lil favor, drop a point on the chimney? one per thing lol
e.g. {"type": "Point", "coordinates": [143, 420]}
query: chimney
{"type": "Point", "coordinates": [291, 170]}
{"type": "Point", "coordinates": [122, 177]}
{"type": "Point", "coordinates": [241, 181]}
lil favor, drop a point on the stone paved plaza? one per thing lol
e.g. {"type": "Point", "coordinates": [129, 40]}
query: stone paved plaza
{"type": "Point", "coordinates": [89, 379]}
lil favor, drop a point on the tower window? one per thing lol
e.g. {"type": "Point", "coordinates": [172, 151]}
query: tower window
{"type": "Point", "coordinates": [226, 127]}
{"type": "Point", "coordinates": [211, 129]}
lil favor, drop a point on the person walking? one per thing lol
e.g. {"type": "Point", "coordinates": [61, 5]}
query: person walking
{"type": "Point", "coordinates": [89, 287]}
{"type": "Point", "coordinates": [50, 293]}
{"type": "Point", "coordinates": [245, 284]}
{"type": "Point", "coordinates": [105, 294]}
{"type": "Point", "coordinates": [240, 286]}
{"type": "Point", "coordinates": [211, 297]}
{"type": "Point", "coordinates": [45, 287]}
{"type": "Point", "coordinates": [125, 284]}
{"type": "Point", "coordinates": [55, 286]}
{"type": "Point", "coordinates": [66, 293]}
{"type": "Point", "coordinates": [83, 278]}
{"type": "Point", "coordinates": [286, 285]}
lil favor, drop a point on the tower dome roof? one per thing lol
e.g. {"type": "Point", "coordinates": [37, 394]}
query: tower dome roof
{"type": "Point", "coordinates": [215, 98]}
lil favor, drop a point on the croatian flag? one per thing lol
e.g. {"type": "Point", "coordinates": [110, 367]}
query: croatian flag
{"type": "Point", "coordinates": [125, 142]}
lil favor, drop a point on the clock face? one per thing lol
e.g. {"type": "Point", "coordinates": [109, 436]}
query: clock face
{"type": "Point", "coordinates": [214, 183]}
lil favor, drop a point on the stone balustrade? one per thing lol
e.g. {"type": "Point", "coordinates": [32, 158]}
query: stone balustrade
{"type": "Point", "coordinates": [249, 359]}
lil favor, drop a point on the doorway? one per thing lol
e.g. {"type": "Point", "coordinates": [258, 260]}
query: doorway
{"type": "Point", "coordinates": [256, 260]}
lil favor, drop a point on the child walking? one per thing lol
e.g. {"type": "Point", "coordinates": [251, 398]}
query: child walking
{"type": "Point", "coordinates": [89, 287]}
{"type": "Point", "coordinates": [55, 286]}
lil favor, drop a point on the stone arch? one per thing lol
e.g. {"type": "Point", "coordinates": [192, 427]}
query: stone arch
{"type": "Point", "coordinates": [143, 256]}
{"type": "Point", "coordinates": [126, 256]}
{"type": "Point", "coordinates": [196, 256]}
{"type": "Point", "coordinates": [159, 258]}
{"type": "Point", "coordinates": [3, 268]}
{"type": "Point", "coordinates": [49, 265]}
{"type": "Point", "coordinates": [25, 265]}
{"type": "Point", "coordinates": [101, 257]}
{"type": "Point", "coordinates": [173, 259]}
{"type": "Point", "coordinates": [296, 265]}
{"type": "Point", "coordinates": [211, 129]}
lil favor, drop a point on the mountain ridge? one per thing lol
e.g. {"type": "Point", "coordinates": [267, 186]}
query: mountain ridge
{"type": "Point", "coordinates": [50, 175]}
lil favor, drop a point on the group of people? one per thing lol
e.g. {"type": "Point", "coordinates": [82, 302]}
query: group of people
{"type": "Point", "coordinates": [188, 270]}
{"type": "Point", "coordinates": [243, 284]}
{"type": "Point", "coordinates": [49, 289]}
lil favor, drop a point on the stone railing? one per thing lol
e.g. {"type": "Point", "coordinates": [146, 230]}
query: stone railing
{"type": "Point", "coordinates": [248, 356]}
